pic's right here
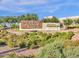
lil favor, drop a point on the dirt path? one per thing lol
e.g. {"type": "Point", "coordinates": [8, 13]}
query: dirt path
{"type": "Point", "coordinates": [13, 31]}
{"type": "Point", "coordinates": [75, 30]}
{"type": "Point", "coordinates": [6, 52]}
{"type": "Point", "coordinates": [19, 51]}
{"type": "Point", "coordinates": [29, 52]}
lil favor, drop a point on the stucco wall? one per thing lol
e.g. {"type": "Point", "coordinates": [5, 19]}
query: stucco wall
{"type": "Point", "coordinates": [51, 26]}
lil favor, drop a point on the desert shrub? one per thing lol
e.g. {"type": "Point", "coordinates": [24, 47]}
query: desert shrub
{"type": "Point", "coordinates": [11, 43]}
{"type": "Point", "coordinates": [32, 41]}
{"type": "Point", "coordinates": [44, 38]}
{"type": "Point", "coordinates": [40, 39]}
{"type": "Point", "coordinates": [2, 42]}
{"type": "Point", "coordinates": [55, 48]}
{"type": "Point", "coordinates": [56, 34]}
{"type": "Point", "coordinates": [3, 32]}
{"type": "Point", "coordinates": [71, 52]}
{"type": "Point", "coordinates": [52, 50]}
{"type": "Point", "coordinates": [59, 49]}
{"type": "Point", "coordinates": [77, 25]}
{"type": "Point", "coordinates": [73, 26]}
{"type": "Point", "coordinates": [32, 33]}
{"type": "Point", "coordinates": [11, 55]}
{"type": "Point", "coordinates": [63, 36]}
{"type": "Point", "coordinates": [37, 39]}
{"type": "Point", "coordinates": [70, 34]}
{"type": "Point", "coordinates": [66, 35]}
{"type": "Point", "coordinates": [22, 44]}
{"type": "Point", "coordinates": [24, 36]}
{"type": "Point", "coordinates": [14, 55]}
{"type": "Point", "coordinates": [71, 43]}
{"type": "Point", "coordinates": [25, 56]}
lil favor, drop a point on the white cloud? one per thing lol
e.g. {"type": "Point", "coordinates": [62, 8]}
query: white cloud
{"type": "Point", "coordinates": [17, 5]}
{"type": "Point", "coordinates": [32, 2]}
{"type": "Point", "coordinates": [67, 3]}
{"type": "Point", "coordinates": [11, 6]}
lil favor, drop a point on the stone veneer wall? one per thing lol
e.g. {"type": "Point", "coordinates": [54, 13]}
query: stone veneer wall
{"type": "Point", "coordinates": [32, 24]}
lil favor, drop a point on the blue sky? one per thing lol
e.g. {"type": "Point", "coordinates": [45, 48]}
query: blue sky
{"type": "Point", "coordinates": [58, 8]}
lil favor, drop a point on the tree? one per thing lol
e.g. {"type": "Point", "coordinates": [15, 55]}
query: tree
{"type": "Point", "coordinates": [14, 26]}
{"type": "Point", "coordinates": [68, 21]}
{"type": "Point", "coordinates": [52, 20]}
{"type": "Point", "coordinates": [32, 17]}
{"type": "Point", "coordinates": [29, 17]}
{"type": "Point", "coordinates": [14, 19]}
{"type": "Point", "coordinates": [77, 21]}
{"type": "Point", "coordinates": [10, 19]}
{"type": "Point", "coordinates": [1, 20]}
